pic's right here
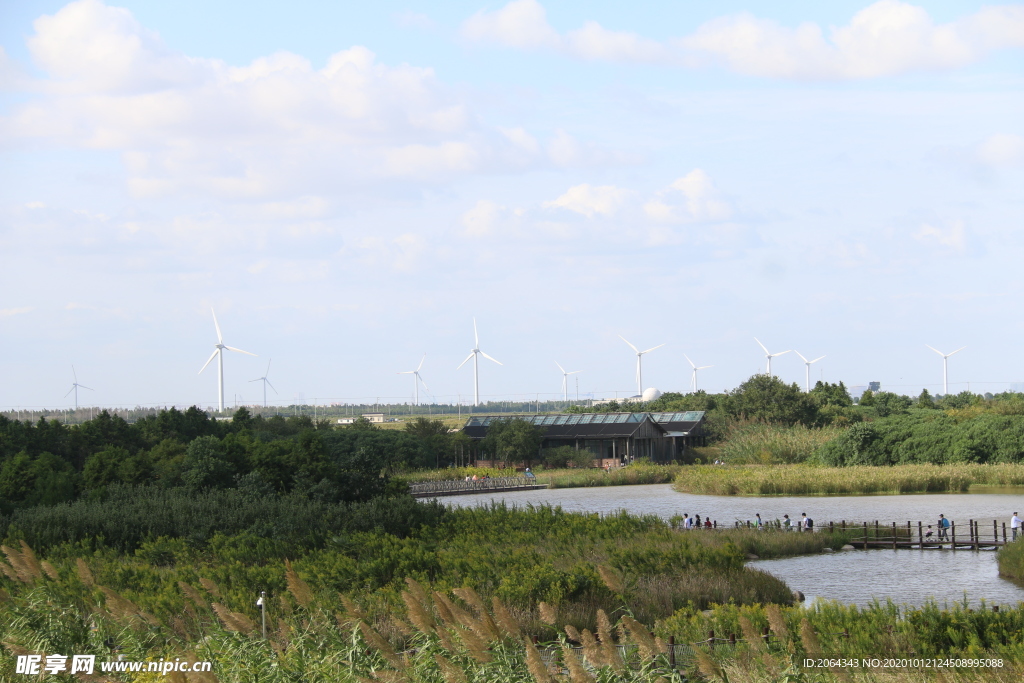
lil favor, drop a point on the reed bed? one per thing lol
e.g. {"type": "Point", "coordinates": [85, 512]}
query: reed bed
{"type": "Point", "coordinates": [638, 473]}
{"type": "Point", "coordinates": [1011, 560]}
{"type": "Point", "coordinates": [458, 635]}
{"type": "Point", "coordinates": [806, 480]}
{"type": "Point", "coordinates": [767, 444]}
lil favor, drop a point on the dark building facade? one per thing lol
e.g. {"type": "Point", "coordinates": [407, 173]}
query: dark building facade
{"type": "Point", "coordinates": [624, 437]}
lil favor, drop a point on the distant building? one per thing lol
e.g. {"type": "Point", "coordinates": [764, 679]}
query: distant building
{"type": "Point", "coordinates": [874, 387]}
{"type": "Point", "coordinates": [618, 437]}
{"type": "Point", "coordinates": [374, 417]}
{"type": "Point", "coordinates": [346, 420]}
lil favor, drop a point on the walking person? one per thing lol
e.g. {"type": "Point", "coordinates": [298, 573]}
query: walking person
{"type": "Point", "coordinates": [687, 522]}
{"type": "Point", "coordinates": [1015, 525]}
{"type": "Point", "coordinates": [787, 523]}
{"type": "Point", "coordinates": [758, 522]}
{"type": "Point", "coordinates": [943, 525]}
{"type": "Point", "coordinates": [806, 523]}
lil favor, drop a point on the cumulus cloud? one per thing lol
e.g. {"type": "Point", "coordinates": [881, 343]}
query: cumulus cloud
{"type": "Point", "coordinates": [1001, 149]}
{"type": "Point", "coordinates": [524, 24]}
{"type": "Point", "coordinates": [588, 201]}
{"type": "Point", "coordinates": [886, 38]}
{"type": "Point", "coordinates": [691, 198]}
{"type": "Point", "coordinates": [275, 127]}
{"type": "Point", "coordinates": [482, 219]}
{"type": "Point", "coordinates": [7, 312]}
{"type": "Point", "coordinates": [954, 237]}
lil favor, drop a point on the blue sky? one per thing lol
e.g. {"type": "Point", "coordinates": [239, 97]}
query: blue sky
{"type": "Point", "coordinates": [348, 185]}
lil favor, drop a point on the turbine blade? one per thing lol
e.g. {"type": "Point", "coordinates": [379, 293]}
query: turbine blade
{"type": "Point", "coordinates": [69, 391]}
{"type": "Point", "coordinates": [652, 348]}
{"type": "Point", "coordinates": [689, 361]}
{"type": "Point", "coordinates": [232, 348]}
{"type": "Point", "coordinates": [74, 373]}
{"type": "Point", "coordinates": [936, 350]}
{"type": "Point", "coordinates": [704, 367]}
{"type": "Point", "coordinates": [574, 372]}
{"type": "Point", "coordinates": [762, 346]}
{"type": "Point", "coordinates": [258, 379]}
{"type": "Point", "coordinates": [270, 385]}
{"type": "Point", "coordinates": [817, 359]}
{"type": "Point", "coordinates": [780, 353]}
{"type": "Point", "coordinates": [628, 342]}
{"type": "Point", "coordinates": [82, 386]}
{"type": "Point", "coordinates": [560, 367]}
{"type": "Point", "coordinates": [957, 351]}
{"type": "Point", "coordinates": [406, 372]}
{"type": "Point", "coordinates": [420, 366]}
{"type": "Point", "coordinates": [467, 359]}
{"type": "Point", "coordinates": [422, 382]}
{"type": "Point", "coordinates": [212, 356]}
{"type": "Point", "coordinates": [801, 356]}
{"type": "Point", "coordinates": [267, 373]}
{"type": "Point", "coordinates": [476, 337]}
{"type": "Point", "coordinates": [220, 337]}
{"type": "Point", "coordinates": [489, 358]}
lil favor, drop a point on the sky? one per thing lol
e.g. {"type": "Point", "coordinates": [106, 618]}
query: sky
{"type": "Point", "coordinates": [349, 185]}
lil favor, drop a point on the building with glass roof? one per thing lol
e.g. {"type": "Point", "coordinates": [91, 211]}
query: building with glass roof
{"type": "Point", "coordinates": [620, 437]}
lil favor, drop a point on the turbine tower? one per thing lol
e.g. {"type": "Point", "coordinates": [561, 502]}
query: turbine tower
{"type": "Point", "coordinates": [769, 355]}
{"type": "Point", "coordinates": [565, 384]}
{"type": "Point", "coordinates": [74, 387]}
{"type": "Point", "coordinates": [945, 386]}
{"type": "Point", "coordinates": [807, 382]}
{"type": "Point", "coordinates": [265, 383]}
{"type": "Point", "coordinates": [416, 379]}
{"type": "Point", "coordinates": [693, 379]}
{"type": "Point", "coordinates": [639, 369]}
{"type": "Point", "coordinates": [218, 351]}
{"type": "Point", "coordinates": [476, 364]}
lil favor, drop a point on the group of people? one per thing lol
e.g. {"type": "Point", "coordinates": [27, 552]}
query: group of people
{"type": "Point", "coordinates": [695, 522]}
{"type": "Point", "coordinates": [805, 523]}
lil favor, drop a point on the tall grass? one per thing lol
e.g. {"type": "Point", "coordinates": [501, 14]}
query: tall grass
{"type": "Point", "coordinates": [805, 480]}
{"type": "Point", "coordinates": [637, 473]}
{"type": "Point", "coordinates": [768, 444]}
{"type": "Point", "coordinates": [1011, 560]}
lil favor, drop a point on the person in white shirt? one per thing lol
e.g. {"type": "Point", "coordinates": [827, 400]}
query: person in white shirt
{"type": "Point", "coordinates": [687, 522]}
{"type": "Point", "coordinates": [1015, 523]}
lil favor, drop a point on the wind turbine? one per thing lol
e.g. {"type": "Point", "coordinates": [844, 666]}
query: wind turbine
{"type": "Point", "coordinates": [476, 364]}
{"type": "Point", "coordinates": [639, 355]}
{"type": "Point", "coordinates": [416, 379]}
{"type": "Point", "coordinates": [265, 383]}
{"type": "Point", "coordinates": [74, 387]}
{"type": "Point", "coordinates": [945, 386]}
{"type": "Point", "coordinates": [565, 376]}
{"type": "Point", "coordinates": [219, 353]}
{"type": "Point", "coordinates": [693, 380]}
{"type": "Point", "coordinates": [769, 355]}
{"type": "Point", "coordinates": [807, 384]}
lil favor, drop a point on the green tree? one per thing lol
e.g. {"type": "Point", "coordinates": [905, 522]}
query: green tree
{"type": "Point", "coordinates": [925, 400]}
{"type": "Point", "coordinates": [513, 440]}
{"type": "Point", "coordinates": [205, 466]}
{"type": "Point", "coordinates": [102, 468]}
{"type": "Point", "coordinates": [769, 399]}
{"type": "Point", "coordinates": [888, 403]}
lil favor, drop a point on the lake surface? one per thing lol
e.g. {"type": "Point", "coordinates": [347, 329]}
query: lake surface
{"type": "Point", "coordinates": [906, 576]}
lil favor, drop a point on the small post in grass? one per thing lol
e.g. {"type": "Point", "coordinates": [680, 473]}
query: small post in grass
{"type": "Point", "coordinates": [261, 603]}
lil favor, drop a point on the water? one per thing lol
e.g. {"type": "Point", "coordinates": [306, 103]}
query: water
{"type": "Point", "coordinates": [905, 576]}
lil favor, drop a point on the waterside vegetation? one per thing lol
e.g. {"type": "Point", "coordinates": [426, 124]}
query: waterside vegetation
{"type": "Point", "coordinates": [811, 480]}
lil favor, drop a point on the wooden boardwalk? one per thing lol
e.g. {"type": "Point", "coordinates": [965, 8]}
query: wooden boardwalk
{"type": "Point", "coordinates": [460, 487]}
{"type": "Point", "coordinates": [975, 535]}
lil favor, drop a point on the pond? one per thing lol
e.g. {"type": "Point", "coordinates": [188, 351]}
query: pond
{"type": "Point", "coordinates": [906, 576]}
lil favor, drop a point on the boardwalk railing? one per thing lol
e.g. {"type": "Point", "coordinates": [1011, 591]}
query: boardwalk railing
{"type": "Point", "coordinates": [974, 535]}
{"type": "Point", "coordinates": [455, 487]}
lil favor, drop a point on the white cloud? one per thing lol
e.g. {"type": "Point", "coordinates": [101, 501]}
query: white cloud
{"type": "Point", "coordinates": [588, 201]}
{"type": "Point", "coordinates": [886, 38]}
{"type": "Point", "coordinates": [699, 201]}
{"type": "Point", "coordinates": [7, 312]}
{"type": "Point", "coordinates": [275, 127]}
{"type": "Point", "coordinates": [1001, 149]}
{"type": "Point", "coordinates": [482, 219]}
{"type": "Point", "coordinates": [954, 237]}
{"type": "Point", "coordinates": [520, 23]}
{"type": "Point", "coordinates": [523, 24]}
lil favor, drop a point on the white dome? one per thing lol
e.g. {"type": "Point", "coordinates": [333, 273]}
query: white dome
{"type": "Point", "coordinates": [650, 394]}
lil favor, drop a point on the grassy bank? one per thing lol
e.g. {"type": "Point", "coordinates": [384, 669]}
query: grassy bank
{"type": "Point", "coordinates": [804, 480]}
{"type": "Point", "coordinates": [768, 444]}
{"type": "Point", "coordinates": [640, 473]}
{"type": "Point", "coordinates": [1011, 561]}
